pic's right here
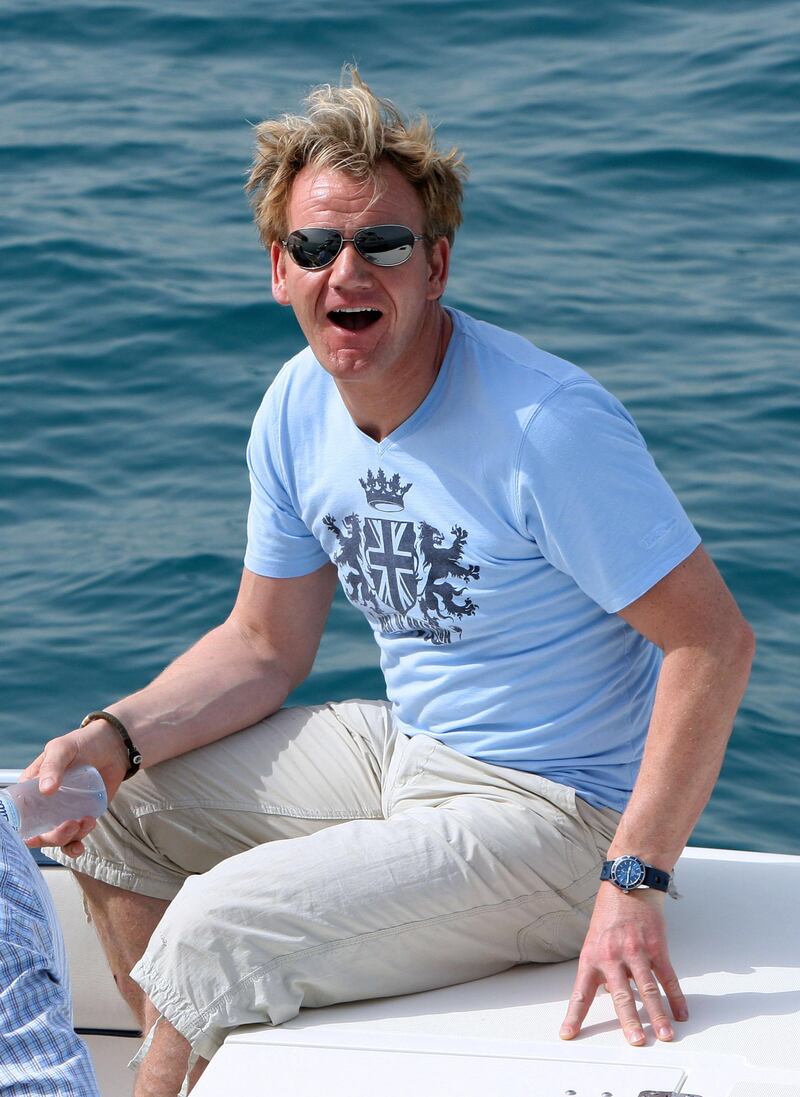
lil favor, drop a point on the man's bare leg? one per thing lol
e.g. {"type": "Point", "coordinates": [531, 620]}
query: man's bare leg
{"type": "Point", "coordinates": [124, 921]}
{"type": "Point", "coordinates": [164, 1066]}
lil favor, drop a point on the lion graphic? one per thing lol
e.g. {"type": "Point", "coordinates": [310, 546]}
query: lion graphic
{"type": "Point", "coordinates": [438, 597]}
{"type": "Point", "coordinates": [349, 556]}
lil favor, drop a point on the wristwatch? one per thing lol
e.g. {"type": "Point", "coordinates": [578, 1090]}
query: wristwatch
{"type": "Point", "coordinates": [629, 872]}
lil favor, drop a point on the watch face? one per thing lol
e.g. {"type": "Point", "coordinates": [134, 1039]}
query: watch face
{"type": "Point", "coordinates": [627, 872]}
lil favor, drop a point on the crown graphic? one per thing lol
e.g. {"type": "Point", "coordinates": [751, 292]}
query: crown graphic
{"type": "Point", "coordinates": [383, 493]}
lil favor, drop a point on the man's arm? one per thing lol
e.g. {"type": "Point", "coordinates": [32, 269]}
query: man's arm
{"type": "Point", "coordinates": [708, 649]}
{"type": "Point", "coordinates": [237, 674]}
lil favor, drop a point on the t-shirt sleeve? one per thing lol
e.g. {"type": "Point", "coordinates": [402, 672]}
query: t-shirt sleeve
{"type": "Point", "coordinates": [279, 543]}
{"type": "Point", "coordinates": [590, 495]}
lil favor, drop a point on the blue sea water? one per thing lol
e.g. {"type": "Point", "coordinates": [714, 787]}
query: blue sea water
{"type": "Point", "coordinates": [633, 206]}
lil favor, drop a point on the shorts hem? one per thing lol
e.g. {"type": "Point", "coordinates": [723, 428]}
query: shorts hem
{"type": "Point", "coordinates": [116, 875]}
{"type": "Point", "coordinates": [183, 1017]}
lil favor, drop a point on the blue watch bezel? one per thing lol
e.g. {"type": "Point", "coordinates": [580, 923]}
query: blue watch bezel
{"type": "Point", "coordinates": [623, 861]}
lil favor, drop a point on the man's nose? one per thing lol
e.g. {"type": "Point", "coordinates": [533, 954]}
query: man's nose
{"type": "Point", "coordinates": [350, 267]}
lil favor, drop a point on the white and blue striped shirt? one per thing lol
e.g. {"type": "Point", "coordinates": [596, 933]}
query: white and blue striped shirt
{"type": "Point", "coordinates": [40, 1054]}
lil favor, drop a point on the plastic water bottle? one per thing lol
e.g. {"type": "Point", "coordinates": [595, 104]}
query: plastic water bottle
{"type": "Point", "coordinates": [82, 793]}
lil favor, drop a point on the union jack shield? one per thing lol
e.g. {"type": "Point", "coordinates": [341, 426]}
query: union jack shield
{"type": "Point", "coordinates": [389, 548]}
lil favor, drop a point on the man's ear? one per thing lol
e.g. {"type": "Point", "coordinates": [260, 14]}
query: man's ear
{"type": "Point", "coordinates": [277, 255]}
{"type": "Point", "coordinates": [438, 268]}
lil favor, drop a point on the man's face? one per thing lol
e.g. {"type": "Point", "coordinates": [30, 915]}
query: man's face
{"type": "Point", "coordinates": [405, 328]}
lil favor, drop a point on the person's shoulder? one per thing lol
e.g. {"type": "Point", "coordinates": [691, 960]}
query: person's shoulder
{"type": "Point", "coordinates": [549, 395]}
{"type": "Point", "coordinates": [516, 358]}
{"type": "Point", "coordinates": [299, 385]}
{"type": "Point", "coordinates": [299, 371]}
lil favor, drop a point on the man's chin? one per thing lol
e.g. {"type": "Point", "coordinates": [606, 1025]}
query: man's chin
{"type": "Point", "coordinates": [348, 363]}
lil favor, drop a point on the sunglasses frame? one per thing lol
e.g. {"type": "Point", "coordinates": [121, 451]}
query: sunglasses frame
{"type": "Point", "coordinates": [416, 237]}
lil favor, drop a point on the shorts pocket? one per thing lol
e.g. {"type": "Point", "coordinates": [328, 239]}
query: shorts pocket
{"type": "Point", "coordinates": [555, 936]}
{"type": "Point", "coordinates": [406, 782]}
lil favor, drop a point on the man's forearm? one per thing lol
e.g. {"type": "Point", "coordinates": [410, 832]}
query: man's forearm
{"type": "Point", "coordinates": [223, 683]}
{"type": "Point", "coordinates": [699, 692]}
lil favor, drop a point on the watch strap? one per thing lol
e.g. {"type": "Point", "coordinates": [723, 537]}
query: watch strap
{"type": "Point", "coordinates": [656, 878]}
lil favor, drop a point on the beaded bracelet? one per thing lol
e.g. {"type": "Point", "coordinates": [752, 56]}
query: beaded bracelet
{"type": "Point", "coordinates": [134, 757]}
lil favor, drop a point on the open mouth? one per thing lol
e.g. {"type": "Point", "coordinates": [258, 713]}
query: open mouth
{"type": "Point", "coordinates": [354, 319]}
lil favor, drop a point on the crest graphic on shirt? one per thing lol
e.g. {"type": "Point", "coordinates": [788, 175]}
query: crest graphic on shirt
{"type": "Point", "coordinates": [406, 576]}
{"type": "Point", "coordinates": [383, 494]}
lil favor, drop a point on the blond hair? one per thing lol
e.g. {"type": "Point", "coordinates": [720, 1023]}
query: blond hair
{"type": "Point", "coordinates": [350, 129]}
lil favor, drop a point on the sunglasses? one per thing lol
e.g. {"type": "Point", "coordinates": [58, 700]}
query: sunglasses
{"type": "Point", "coordinates": [383, 245]}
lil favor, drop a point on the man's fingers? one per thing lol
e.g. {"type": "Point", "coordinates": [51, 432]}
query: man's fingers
{"type": "Point", "coordinates": [75, 848]}
{"type": "Point", "coordinates": [58, 836]}
{"type": "Point", "coordinates": [672, 988]}
{"type": "Point", "coordinates": [58, 756]}
{"type": "Point", "coordinates": [65, 835]}
{"type": "Point", "coordinates": [619, 988]}
{"type": "Point", "coordinates": [583, 992]}
{"type": "Point", "coordinates": [32, 770]}
{"type": "Point", "coordinates": [650, 994]}
{"type": "Point", "coordinates": [618, 985]}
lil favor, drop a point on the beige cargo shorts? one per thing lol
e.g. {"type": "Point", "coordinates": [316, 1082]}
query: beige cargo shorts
{"type": "Point", "coordinates": [321, 856]}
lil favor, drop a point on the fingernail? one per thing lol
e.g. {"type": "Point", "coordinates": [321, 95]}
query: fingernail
{"type": "Point", "coordinates": [566, 1032]}
{"type": "Point", "coordinates": [47, 783]}
{"type": "Point", "coordinates": [665, 1032]}
{"type": "Point", "coordinates": [636, 1036]}
{"type": "Point", "coordinates": [682, 1015]}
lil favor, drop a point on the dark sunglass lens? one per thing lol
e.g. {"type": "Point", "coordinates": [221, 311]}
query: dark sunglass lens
{"type": "Point", "coordinates": [385, 245]}
{"type": "Point", "coordinates": [313, 248]}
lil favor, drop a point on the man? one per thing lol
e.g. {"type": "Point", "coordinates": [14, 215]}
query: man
{"type": "Point", "coordinates": [495, 515]}
{"type": "Point", "coordinates": [40, 1055]}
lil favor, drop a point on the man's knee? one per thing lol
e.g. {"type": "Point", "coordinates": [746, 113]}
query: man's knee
{"type": "Point", "coordinates": [124, 922]}
{"type": "Point", "coordinates": [137, 913]}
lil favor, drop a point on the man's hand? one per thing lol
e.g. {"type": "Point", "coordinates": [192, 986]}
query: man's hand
{"type": "Point", "coordinates": [627, 940]}
{"type": "Point", "coordinates": [96, 745]}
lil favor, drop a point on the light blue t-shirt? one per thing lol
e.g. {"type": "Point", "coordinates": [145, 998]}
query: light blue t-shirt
{"type": "Point", "coordinates": [489, 541]}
